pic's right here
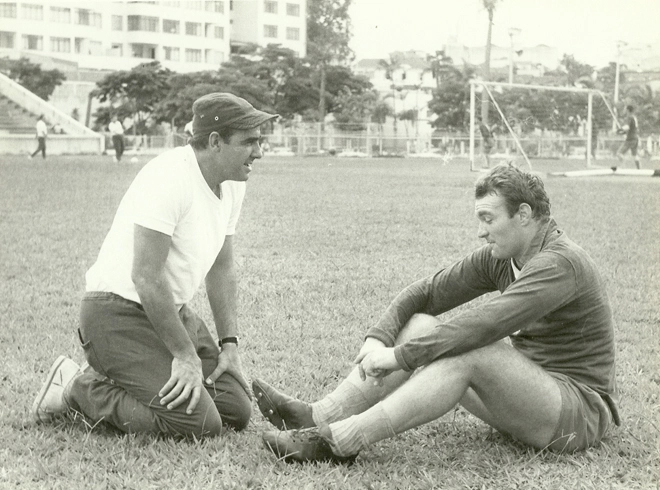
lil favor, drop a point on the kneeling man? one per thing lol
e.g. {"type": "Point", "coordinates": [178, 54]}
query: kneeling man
{"type": "Point", "coordinates": [552, 386]}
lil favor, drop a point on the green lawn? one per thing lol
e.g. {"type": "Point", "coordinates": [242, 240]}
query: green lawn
{"type": "Point", "coordinates": [323, 245]}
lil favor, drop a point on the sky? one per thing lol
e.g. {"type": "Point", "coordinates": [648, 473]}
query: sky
{"type": "Point", "coordinates": [588, 29]}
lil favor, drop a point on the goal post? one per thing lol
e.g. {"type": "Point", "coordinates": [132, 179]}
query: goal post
{"type": "Point", "coordinates": [537, 121]}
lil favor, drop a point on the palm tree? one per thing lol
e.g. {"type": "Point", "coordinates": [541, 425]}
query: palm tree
{"type": "Point", "coordinates": [441, 65]}
{"type": "Point", "coordinates": [390, 67]}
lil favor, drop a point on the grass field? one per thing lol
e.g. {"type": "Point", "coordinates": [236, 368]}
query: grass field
{"type": "Point", "coordinates": [323, 245]}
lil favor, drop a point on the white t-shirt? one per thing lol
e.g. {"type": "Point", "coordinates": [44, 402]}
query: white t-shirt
{"type": "Point", "coordinates": [115, 128]}
{"type": "Point", "coordinates": [169, 195]}
{"type": "Point", "coordinates": [42, 129]}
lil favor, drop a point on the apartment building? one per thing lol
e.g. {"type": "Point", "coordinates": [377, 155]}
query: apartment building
{"type": "Point", "coordinates": [183, 36]}
{"type": "Point", "coordinates": [264, 22]}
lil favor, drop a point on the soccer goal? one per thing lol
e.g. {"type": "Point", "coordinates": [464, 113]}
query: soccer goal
{"type": "Point", "coordinates": [535, 121]}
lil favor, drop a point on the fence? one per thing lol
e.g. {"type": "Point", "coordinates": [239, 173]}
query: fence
{"type": "Point", "coordinates": [294, 143]}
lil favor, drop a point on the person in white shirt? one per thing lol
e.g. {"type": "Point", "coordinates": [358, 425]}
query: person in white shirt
{"type": "Point", "coordinates": [154, 366]}
{"type": "Point", "coordinates": [42, 134]}
{"type": "Point", "coordinates": [117, 132]}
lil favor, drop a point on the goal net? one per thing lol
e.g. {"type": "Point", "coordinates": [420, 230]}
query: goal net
{"type": "Point", "coordinates": [516, 122]}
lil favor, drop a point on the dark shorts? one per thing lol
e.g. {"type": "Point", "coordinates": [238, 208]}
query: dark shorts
{"type": "Point", "coordinates": [629, 145]}
{"type": "Point", "coordinates": [585, 417]}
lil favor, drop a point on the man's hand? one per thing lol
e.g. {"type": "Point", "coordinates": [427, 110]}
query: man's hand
{"type": "Point", "coordinates": [379, 363]}
{"type": "Point", "coordinates": [373, 362]}
{"type": "Point", "coordinates": [185, 382]}
{"type": "Point", "coordinates": [230, 362]}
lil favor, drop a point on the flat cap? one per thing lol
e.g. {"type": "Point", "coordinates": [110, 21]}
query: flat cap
{"type": "Point", "coordinates": [219, 110]}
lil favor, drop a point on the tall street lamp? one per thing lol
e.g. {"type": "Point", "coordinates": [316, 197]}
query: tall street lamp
{"type": "Point", "coordinates": [513, 31]}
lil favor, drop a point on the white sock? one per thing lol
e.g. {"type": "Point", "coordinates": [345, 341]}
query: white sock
{"type": "Point", "coordinates": [346, 400]}
{"type": "Point", "coordinates": [351, 435]}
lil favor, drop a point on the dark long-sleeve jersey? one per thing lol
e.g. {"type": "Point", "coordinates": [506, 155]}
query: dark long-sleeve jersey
{"type": "Point", "coordinates": [556, 312]}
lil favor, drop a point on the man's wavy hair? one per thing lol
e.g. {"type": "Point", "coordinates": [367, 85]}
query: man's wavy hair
{"type": "Point", "coordinates": [515, 187]}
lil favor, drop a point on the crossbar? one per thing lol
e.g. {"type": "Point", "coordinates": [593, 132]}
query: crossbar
{"type": "Point", "coordinates": [535, 87]}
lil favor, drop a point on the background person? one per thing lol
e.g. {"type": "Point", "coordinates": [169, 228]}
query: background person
{"type": "Point", "coordinates": [42, 134]}
{"type": "Point", "coordinates": [154, 365]}
{"type": "Point", "coordinates": [552, 387]}
{"type": "Point", "coordinates": [488, 142]}
{"type": "Point", "coordinates": [632, 137]}
{"type": "Point", "coordinates": [117, 132]}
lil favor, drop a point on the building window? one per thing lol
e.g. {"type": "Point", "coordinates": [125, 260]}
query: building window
{"type": "Point", "coordinates": [143, 51]}
{"type": "Point", "coordinates": [117, 49]}
{"type": "Point", "coordinates": [171, 26]}
{"type": "Point", "coordinates": [270, 7]}
{"type": "Point", "coordinates": [96, 48]}
{"type": "Point", "coordinates": [33, 43]}
{"type": "Point", "coordinates": [97, 20]}
{"type": "Point", "coordinates": [270, 31]}
{"type": "Point", "coordinates": [79, 45]}
{"type": "Point", "coordinates": [59, 14]}
{"type": "Point", "coordinates": [216, 6]}
{"type": "Point", "coordinates": [31, 11]}
{"type": "Point", "coordinates": [117, 23]}
{"type": "Point", "coordinates": [60, 44]}
{"type": "Point", "coordinates": [8, 10]}
{"type": "Point", "coordinates": [193, 29]}
{"type": "Point", "coordinates": [86, 17]}
{"type": "Point", "coordinates": [214, 57]}
{"type": "Point", "coordinates": [293, 9]}
{"type": "Point", "coordinates": [7, 40]}
{"type": "Point", "coordinates": [293, 33]}
{"type": "Point", "coordinates": [82, 17]}
{"type": "Point", "coordinates": [193, 55]}
{"type": "Point", "coordinates": [172, 4]}
{"type": "Point", "coordinates": [194, 5]}
{"type": "Point", "coordinates": [219, 32]}
{"type": "Point", "coordinates": [142, 23]}
{"type": "Point", "coordinates": [171, 54]}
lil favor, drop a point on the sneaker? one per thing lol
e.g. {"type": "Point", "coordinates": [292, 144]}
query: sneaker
{"type": "Point", "coordinates": [303, 446]}
{"type": "Point", "coordinates": [283, 411]}
{"type": "Point", "coordinates": [114, 159]}
{"type": "Point", "coordinates": [50, 402]}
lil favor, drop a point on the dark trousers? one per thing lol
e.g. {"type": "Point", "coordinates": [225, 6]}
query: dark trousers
{"type": "Point", "coordinates": [118, 143]}
{"type": "Point", "coordinates": [133, 364]}
{"type": "Point", "coordinates": [41, 148]}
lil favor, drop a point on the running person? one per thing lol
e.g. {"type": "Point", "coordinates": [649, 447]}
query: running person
{"type": "Point", "coordinates": [632, 137]}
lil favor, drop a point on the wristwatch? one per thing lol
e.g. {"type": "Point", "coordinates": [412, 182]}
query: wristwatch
{"type": "Point", "coordinates": [228, 340]}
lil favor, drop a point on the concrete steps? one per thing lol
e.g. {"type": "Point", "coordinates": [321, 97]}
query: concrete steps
{"type": "Point", "coordinates": [14, 119]}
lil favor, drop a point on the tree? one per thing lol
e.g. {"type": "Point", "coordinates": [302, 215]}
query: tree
{"type": "Point", "coordinates": [390, 67]}
{"type": "Point", "coordinates": [353, 110]}
{"type": "Point", "coordinates": [32, 77]}
{"type": "Point", "coordinates": [646, 104]}
{"type": "Point", "coordinates": [176, 105]}
{"type": "Point", "coordinates": [575, 70]}
{"type": "Point", "coordinates": [489, 5]}
{"type": "Point", "coordinates": [451, 102]}
{"type": "Point", "coordinates": [408, 116]}
{"type": "Point", "coordinates": [607, 78]}
{"type": "Point", "coordinates": [441, 65]}
{"type": "Point", "coordinates": [140, 89]}
{"type": "Point", "coordinates": [328, 34]}
{"type": "Point", "coordinates": [273, 65]}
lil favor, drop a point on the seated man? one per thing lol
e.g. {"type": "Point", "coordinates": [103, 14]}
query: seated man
{"type": "Point", "coordinates": [553, 386]}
